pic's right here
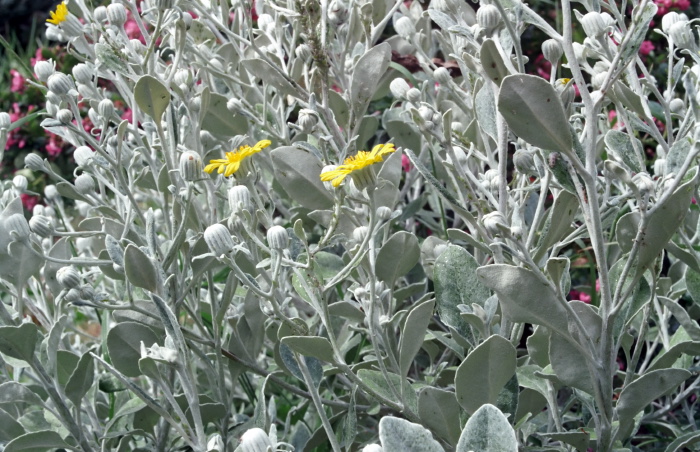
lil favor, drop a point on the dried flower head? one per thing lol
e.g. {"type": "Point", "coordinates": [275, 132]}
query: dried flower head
{"type": "Point", "coordinates": [60, 15]}
{"type": "Point", "coordinates": [232, 162]}
{"type": "Point", "coordinates": [357, 162]}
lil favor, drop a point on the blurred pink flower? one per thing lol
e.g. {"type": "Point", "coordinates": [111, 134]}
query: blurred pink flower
{"type": "Point", "coordinates": [17, 83]}
{"type": "Point", "coordinates": [29, 201]}
{"type": "Point", "coordinates": [406, 164]}
{"type": "Point", "coordinates": [646, 48]}
{"type": "Point", "coordinates": [38, 56]}
{"type": "Point", "coordinates": [14, 138]}
{"type": "Point", "coordinates": [54, 145]}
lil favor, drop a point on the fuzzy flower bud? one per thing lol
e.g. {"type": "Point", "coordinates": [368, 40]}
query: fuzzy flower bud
{"type": "Point", "coordinates": [239, 199]}
{"type": "Point", "coordinates": [303, 52]}
{"type": "Point", "coordinates": [660, 167]}
{"type": "Point", "coordinates": [307, 120]}
{"type": "Point", "coordinates": [83, 73]}
{"type": "Point", "coordinates": [405, 28]}
{"type": "Point", "coordinates": [413, 95]}
{"type": "Point", "coordinates": [384, 213]}
{"type": "Point", "coordinates": [83, 155]}
{"type": "Point", "coordinates": [68, 277]}
{"type": "Point", "coordinates": [18, 227]}
{"type": "Point", "coordinates": [552, 50]}
{"type": "Point", "coordinates": [399, 88]}
{"type": "Point", "coordinates": [644, 183]}
{"type": "Point", "coordinates": [105, 108]}
{"type": "Point", "coordinates": [34, 162]}
{"type": "Point", "coordinates": [277, 238]}
{"type": "Point", "coordinates": [65, 116]}
{"type": "Point", "coordinates": [524, 162]}
{"type": "Point", "coordinates": [495, 223]}
{"type": "Point", "coordinates": [116, 14]}
{"type": "Point", "coordinates": [670, 19]}
{"type": "Point", "coordinates": [60, 83]}
{"type": "Point", "coordinates": [255, 440]}
{"type": "Point", "coordinates": [488, 17]}
{"type": "Point", "coordinates": [43, 70]}
{"type": "Point", "coordinates": [20, 183]}
{"type": "Point", "coordinates": [359, 233]}
{"type": "Point", "coordinates": [218, 239]}
{"type": "Point", "coordinates": [683, 36]}
{"type": "Point", "coordinates": [442, 76]}
{"type": "Point", "coordinates": [100, 14]}
{"type": "Point", "coordinates": [84, 184]}
{"type": "Point", "coordinates": [51, 193]}
{"type": "Point", "coordinates": [190, 166]}
{"type": "Point", "coordinates": [595, 24]}
{"type": "Point", "coordinates": [41, 225]}
{"type": "Point", "coordinates": [677, 106]}
{"type": "Point", "coordinates": [338, 12]}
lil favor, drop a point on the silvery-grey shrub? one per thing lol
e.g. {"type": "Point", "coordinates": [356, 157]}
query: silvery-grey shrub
{"type": "Point", "coordinates": [245, 263]}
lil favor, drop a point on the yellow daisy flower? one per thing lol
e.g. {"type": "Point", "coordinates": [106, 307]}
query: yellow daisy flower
{"type": "Point", "coordinates": [60, 15]}
{"type": "Point", "coordinates": [232, 162]}
{"type": "Point", "coordinates": [357, 162]}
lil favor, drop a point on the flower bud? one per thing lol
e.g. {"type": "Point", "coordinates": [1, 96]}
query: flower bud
{"type": "Point", "coordinates": [51, 193]}
{"type": "Point", "coordinates": [182, 77]}
{"type": "Point", "coordinates": [255, 440]}
{"type": "Point", "coordinates": [552, 50]}
{"type": "Point", "coordinates": [338, 12]}
{"type": "Point", "coordinates": [495, 224]}
{"type": "Point", "coordinates": [277, 238]}
{"type": "Point", "coordinates": [218, 239]}
{"type": "Point", "coordinates": [670, 19]}
{"type": "Point", "coordinates": [524, 162]}
{"type": "Point", "coordinates": [84, 184]}
{"type": "Point", "coordinates": [303, 52]}
{"type": "Point", "coordinates": [594, 24]}
{"type": "Point", "coordinates": [399, 88]}
{"type": "Point", "coordinates": [360, 233]}
{"type": "Point", "coordinates": [105, 108]}
{"type": "Point", "coordinates": [660, 167]}
{"type": "Point", "coordinates": [442, 76]}
{"type": "Point", "coordinates": [43, 70]}
{"type": "Point", "coordinates": [100, 14]}
{"type": "Point", "coordinates": [492, 179]}
{"type": "Point", "coordinates": [68, 277]}
{"type": "Point", "coordinates": [384, 213]}
{"type": "Point", "coordinates": [190, 166]}
{"type": "Point", "coordinates": [239, 199]}
{"type": "Point", "coordinates": [73, 296]}
{"type": "Point", "coordinates": [20, 183]}
{"type": "Point", "coordinates": [34, 162]}
{"type": "Point", "coordinates": [116, 14]}
{"type": "Point", "coordinates": [405, 28]}
{"type": "Point", "coordinates": [307, 120]}
{"type": "Point", "coordinates": [598, 79]}
{"type": "Point", "coordinates": [488, 17]}
{"type": "Point", "coordinates": [60, 83]}
{"type": "Point", "coordinates": [65, 116]}
{"type": "Point", "coordinates": [413, 95]}
{"type": "Point", "coordinates": [18, 227]}
{"type": "Point", "coordinates": [683, 36]}
{"type": "Point", "coordinates": [644, 183]}
{"type": "Point", "coordinates": [83, 155]}
{"type": "Point", "coordinates": [41, 225]}
{"type": "Point", "coordinates": [677, 106]}
{"type": "Point", "coordinates": [235, 105]}
{"type": "Point", "coordinates": [426, 113]}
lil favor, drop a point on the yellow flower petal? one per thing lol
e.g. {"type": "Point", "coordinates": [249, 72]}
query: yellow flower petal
{"type": "Point", "coordinates": [232, 161]}
{"type": "Point", "coordinates": [59, 15]}
{"type": "Point", "coordinates": [356, 162]}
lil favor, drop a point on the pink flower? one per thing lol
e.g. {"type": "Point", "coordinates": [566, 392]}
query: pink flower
{"type": "Point", "coordinates": [38, 56]}
{"type": "Point", "coordinates": [406, 163]}
{"type": "Point", "coordinates": [646, 48]}
{"type": "Point", "coordinates": [128, 114]}
{"type": "Point", "coordinates": [55, 145]}
{"type": "Point", "coordinates": [17, 83]}
{"type": "Point", "coordinates": [29, 201]}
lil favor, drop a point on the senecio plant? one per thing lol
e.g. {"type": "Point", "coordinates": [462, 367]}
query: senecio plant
{"type": "Point", "coordinates": [296, 243]}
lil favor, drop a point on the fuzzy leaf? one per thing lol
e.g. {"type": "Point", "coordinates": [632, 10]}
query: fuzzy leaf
{"type": "Point", "coordinates": [298, 171]}
{"type": "Point", "coordinates": [139, 269]}
{"type": "Point", "coordinates": [124, 346]}
{"type": "Point", "coordinates": [533, 110]}
{"type": "Point", "coordinates": [365, 77]}
{"type": "Point", "coordinates": [399, 435]}
{"type": "Point", "coordinates": [397, 256]}
{"type": "Point", "coordinates": [151, 96]}
{"type": "Point", "coordinates": [487, 430]}
{"type": "Point", "coordinates": [19, 342]}
{"type": "Point", "coordinates": [413, 333]}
